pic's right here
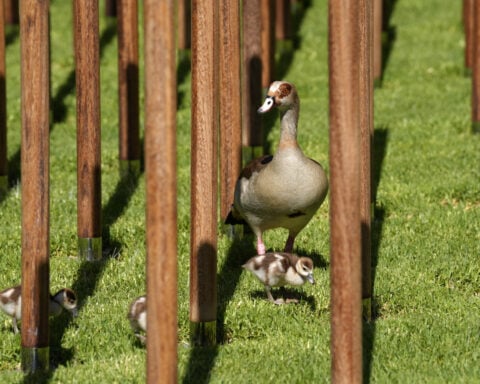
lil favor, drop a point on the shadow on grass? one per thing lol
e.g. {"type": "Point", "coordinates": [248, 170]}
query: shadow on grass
{"type": "Point", "coordinates": [380, 142]}
{"type": "Point", "coordinates": [287, 294]}
{"type": "Point", "coordinates": [59, 108]}
{"type": "Point", "coordinates": [389, 34]}
{"type": "Point", "coordinates": [202, 359]}
{"type": "Point", "coordinates": [89, 273]}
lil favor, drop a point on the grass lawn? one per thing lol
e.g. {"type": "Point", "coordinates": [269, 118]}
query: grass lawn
{"type": "Point", "coordinates": [426, 232]}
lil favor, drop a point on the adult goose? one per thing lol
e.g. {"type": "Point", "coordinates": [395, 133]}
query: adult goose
{"type": "Point", "coordinates": [286, 189]}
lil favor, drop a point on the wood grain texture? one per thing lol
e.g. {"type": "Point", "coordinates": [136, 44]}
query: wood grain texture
{"type": "Point", "coordinates": [203, 240]}
{"type": "Point", "coordinates": [230, 103]}
{"type": "Point", "coordinates": [366, 138]}
{"type": "Point", "coordinates": [252, 133]}
{"type": "Point", "coordinates": [34, 35]}
{"type": "Point", "coordinates": [283, 16]}
{"type": "Point", "coordinates": [87, 73]}
{"type": "Point", "coordinates": [161, 184]}
{"type": "Point", "coordinates": [346, 339]}
{"type": "Point", "coordinates": [268, 42]}
{"type": "Point", "coordinates": [377, 38]}
{"type": "Point", "coordinates": [11, 11]}
{"type": "Point", "coordinates": [127, 24]}
{"type": "Point", "coordinates": [184, 18]}
{"type": "Point", "coordinates": [3, 97]}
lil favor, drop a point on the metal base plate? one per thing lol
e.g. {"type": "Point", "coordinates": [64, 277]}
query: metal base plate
{"type": "Point", "coordinates": [90, 248]}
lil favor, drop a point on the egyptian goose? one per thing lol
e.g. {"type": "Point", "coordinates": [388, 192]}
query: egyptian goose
{"type": "Point", "coordinates": [137, 315]}
{"type": "Point", "coordinates": [286, 189]}
{"type": "Point", "coordinates": [11, 303]}
{"type": "Point", "coordinates": [276, 269]}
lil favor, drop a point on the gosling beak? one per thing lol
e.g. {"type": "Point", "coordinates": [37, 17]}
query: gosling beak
{"type": "Point", "coordinates": [310, 279]}
{"type": "Point", "coordinates": [268, 104]}
{"type": "Point", "coordinates": [74, 312]}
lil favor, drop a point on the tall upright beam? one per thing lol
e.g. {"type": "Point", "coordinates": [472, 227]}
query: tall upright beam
{"type": "Point", "coordinates": [377, 40]}
{"type": "Point", "coordinates": [203, 239]}
{"type": "Point", "coordinates": [268, 42]}
{"type": "Point", "coordinates": [468, 29]}
{"type": "Point", "coordinates": [346, 336]}
{"type": "Point", "coordinates": [366, 138]}
{"type": "Point", "coordinates": [183, 22]}
{"type": "Point", "coordinates": [3, 108]}
{"type": "Point", "coordinates": [89, 203]}
{"type": "Point", "coordinates": [11, 11]}
{"type": "Point", "coordinates": [111, 8]}
{"type": "Point", "coordinates": [34, 35]}
{"type": "Point", "coordinates": [129, 139]}
{"type": "Point", "coordinates": [230, 103]}
{"type": "Point", "coordinates": [252, 133]}
{"type": "Point", "coordinates": [160, 171]}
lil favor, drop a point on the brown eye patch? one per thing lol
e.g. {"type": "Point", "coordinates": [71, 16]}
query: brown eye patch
{"type": "Point", "coordinates": [284, 90]}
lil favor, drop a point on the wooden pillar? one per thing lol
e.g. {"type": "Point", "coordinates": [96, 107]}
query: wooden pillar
{"type": "Point", "coordinates": [476, 68]}
{"type": "Point", "coordinates": [468, 28]}
{"type": "Point", "coordinates": [34, 35]}
{"type": "Point", "coordinates": [129, 136]}
{"type": "Point", "coordinates": [268, 42]}
{"type": "Point", "coordinates": [89, 203]}
{"type": "Point", "coordinates": [3, 109]}
{"type": "Point", "coordinates": [230, 103]}
{"type": "Point", "coordinates": [111, 8]}
{"type": "Point", "coordinates": [377, 40]}
{"type": "Point", "coordinates": [366, 138]}
{"type": "Point", "coordinates": [11, 11]}
{"type": "Point", "coordinates": [183, 20]}
{"type": "Point", "coordinates": [203, 240]}
{"type": "Point", "coordinates": [283, 24]}
{"type": "Point", "coordinates": [160, 172]}
{"type": "Point", "coordinates": [252, 132]}
{"type": "Point", "coordinates": [346, 327]}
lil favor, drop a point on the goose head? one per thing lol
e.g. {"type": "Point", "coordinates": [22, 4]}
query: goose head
{"type": "Point", "coordinates": [281, 94]}
{"type": "Point", "coordinates": [304, 267]}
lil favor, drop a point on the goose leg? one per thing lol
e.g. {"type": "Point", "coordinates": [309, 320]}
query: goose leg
{"type": "Point", "coordinates": [260, 246]}
{"type": "Point", "coordinates": [270, 297]}
{"type": "Point", "coordinates": [289, 243]}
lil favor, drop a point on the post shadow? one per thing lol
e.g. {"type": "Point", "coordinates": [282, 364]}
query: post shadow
{"type": "Point", "coordinates": [89, 273]}
{"type": "Point", "coordinates": [202, 359]}
{"type": "Point", "coordinates": [379, 149]}
{"type": "Point", "coordinates": [389, 34]}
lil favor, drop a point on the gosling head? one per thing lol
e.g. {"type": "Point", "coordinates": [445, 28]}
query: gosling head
{"type": "Point", "coordinates": [304, 267]}
{"type": "Point", "coordinates": [282, 95]}
{"type": "Point", "coordinates": [67, 299]}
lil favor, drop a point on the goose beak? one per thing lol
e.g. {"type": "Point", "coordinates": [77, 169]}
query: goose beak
{"type": "Point", "coordinates": [268, 104]}
{"type": "Point", "coordinates": [310, 279]}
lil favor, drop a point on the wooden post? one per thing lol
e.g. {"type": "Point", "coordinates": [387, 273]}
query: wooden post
{"type": "Point", "coordinates": [476, 68]}
{"type": "Point", "coordinates": [230, 103]}
{"type": "Point", "coordinates": [366, 137]}
{"type": "Point", "coordinates": [11, 11]}
{"type": "Point", "coordinates": [89, 203]}
{"type": "Point", "coordinates": [283, 24]}
{"type": "Point", "coordinates": [377, 40]}
{"type": "Point", "coordinates": [34, 35]}
{"type": "Point", "coordinates": [3, 109]}
{"type": "Point", "coordinates": [184, 20]}
{"type": "Point", "coordinates": [129, 139]}
{"type": "Point", "coordinates": [252, 132]}
{"type": "Point", "coordinates": [346, 326]}
{"type": "Point", "coordinates": [111, 8]}
{"type": "Point", "coordinates": [268, 42]}
{"type": "Point", "coordinates": [468, 28]}
{"type": "Point", "coordinates": [203, 240]}
{"type": "Point", "coordinates": [160, 172]}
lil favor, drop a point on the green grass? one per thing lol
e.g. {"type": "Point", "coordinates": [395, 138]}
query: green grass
{"type": "Point", "coordinates": [426, 233]}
